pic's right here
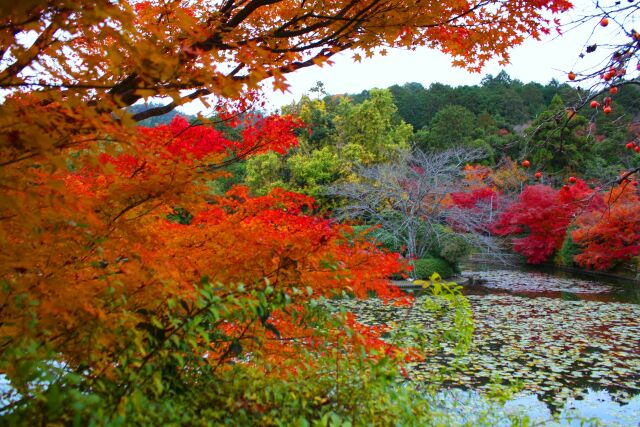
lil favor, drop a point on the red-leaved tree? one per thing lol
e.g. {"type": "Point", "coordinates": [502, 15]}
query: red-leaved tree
{"type": "Point", "coordinates": [540, 216]}
{"type": "Point", "coordinates": [611, 234]}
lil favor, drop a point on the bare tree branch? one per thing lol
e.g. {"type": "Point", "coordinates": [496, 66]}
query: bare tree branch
{"type": "Point", "coordinates": [408, 200]}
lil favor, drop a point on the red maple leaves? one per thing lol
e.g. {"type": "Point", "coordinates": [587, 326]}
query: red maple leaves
{"type": "Point", "coordinates": [541, 216]}
{"type": "Point", "coordinates": [605, 227]}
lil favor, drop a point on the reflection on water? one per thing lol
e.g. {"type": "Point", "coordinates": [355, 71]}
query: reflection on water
{"type": "Point", "coordinates": [594, 408]}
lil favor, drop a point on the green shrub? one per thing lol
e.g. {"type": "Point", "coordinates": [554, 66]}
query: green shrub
{"type": "Point", "coordinates": [424, 268]}
{"type": "Point", "coordinates": [568, 251]}
{"type": "Point", "coordinates": [175, 385]}
{"type": "Point", "coordinates": [454, 248]}
{"type": "Point", "coordinates": [447, 244]}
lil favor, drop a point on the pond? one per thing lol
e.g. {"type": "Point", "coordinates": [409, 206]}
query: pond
{"type": "Point", "coordinates": [571, 345]}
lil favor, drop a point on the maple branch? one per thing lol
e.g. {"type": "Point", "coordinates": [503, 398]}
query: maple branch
{"type": "Point", "coordinates": [61, 86]}
{"type": "Point", "coordinates": [469, 11]}
{"type": "Point", "coordinates": [125, 91]}
{"type": "Point", "coordinates": [326, 20]}
{"type": "Point", "coordinates": [159, 111]}
{"type": "Point", "coordinates": [43, 40]}
{"type": "Point", "coordinates": [231, 346]}
{"type": "Point", "coordinates": [333, 38]}
{"type": "Point", "coordinates": [248, 10]}
{"type": "Point", "coordinates": [323, 55]}
{"type": "Point", "coordinates": [133, 206]}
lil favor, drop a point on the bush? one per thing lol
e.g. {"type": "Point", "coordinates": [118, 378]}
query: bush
{"type": "Point", "coordinates": [454, 248]}
{"type": "Point", "coordinates": [568, 251]}
{"type": "Point", "coordinates": [424, 268]}
{"type": "Point", "coordinates": [448, 245]}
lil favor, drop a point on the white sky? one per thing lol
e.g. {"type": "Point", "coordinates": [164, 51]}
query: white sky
{"type": "Point", "coordinates": [539, 61]}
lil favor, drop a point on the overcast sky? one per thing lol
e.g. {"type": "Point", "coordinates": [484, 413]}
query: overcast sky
{"type": "Point", "coordinates": [538, 61]}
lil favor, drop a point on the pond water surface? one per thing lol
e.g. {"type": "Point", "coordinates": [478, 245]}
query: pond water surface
{"type": "Point", "coordinates": [571, 344]}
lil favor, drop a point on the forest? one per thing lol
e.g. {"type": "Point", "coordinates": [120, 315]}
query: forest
{"type": "Point", "coordinates": [310, 266]}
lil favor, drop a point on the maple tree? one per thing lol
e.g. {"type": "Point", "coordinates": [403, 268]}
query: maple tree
{"type": "Point", "coordinates": [110, 280]}
{"type": "Point", "coordinates": [472, 199]}
{"type": "Point", "coordinates": [611, 234]}
{"type": "Point", "coordinates": [541, 216]}
{"type": "Point", "coordinates": [507, 176]}
{"type": "Point", "coordinates": [114, 310]}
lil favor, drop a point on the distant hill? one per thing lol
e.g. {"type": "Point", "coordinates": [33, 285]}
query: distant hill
{"type": "Point", "coordinates": [509, 102]}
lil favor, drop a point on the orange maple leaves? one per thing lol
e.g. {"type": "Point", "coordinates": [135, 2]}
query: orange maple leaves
{"type": "Point", "coordinates": [106, 249]}
{"type": "Point", "coordinates": [612, 233]}
{"type": "Point", "coordinates": [276, 239]}
{"type": "Point", "coordinates": [127, 51]}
